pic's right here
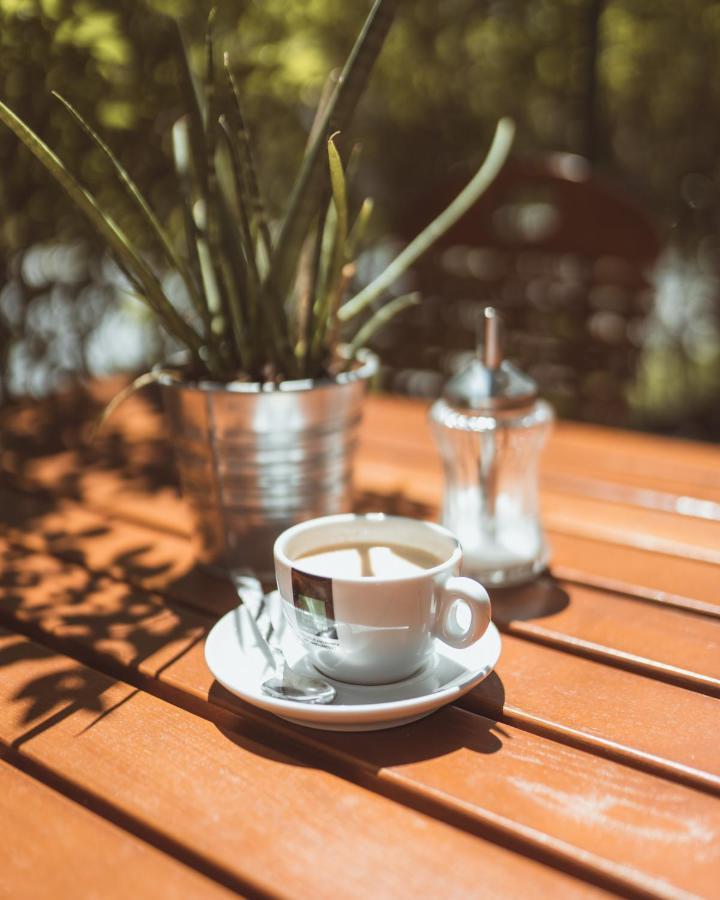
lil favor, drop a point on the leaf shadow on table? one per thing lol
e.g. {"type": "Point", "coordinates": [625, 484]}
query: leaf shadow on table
{"type": "Point", "coordinates": [78, 619]}
{"type": "Point", "coordinates": [53, 443]}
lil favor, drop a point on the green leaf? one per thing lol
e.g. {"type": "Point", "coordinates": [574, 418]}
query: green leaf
{"type": "Point", "coordinates": [182, 156]}
{"type": "Point", "coordinates": [212, 259]}
{"type": "Point", "coordinates": [339, 193]}
{"type": "Point", "coordinates": [308, 280]}
{"type": "Point", "coordinates": [271, 303]}
{"type": "Point", "coordinates": [252, 280]}
{"type": "Point", "coordinates": [324, 320]}
{"type": "Point", "coordinates": [482, 179]}
{"type": "Point", "coordinates": [308, 192]}
{"type": "Point", "coordinates": [380, 319]}
{"type": "Point", "coordinates": [248, 170]}
{"type": "Point", "coordinates": [135, 194]}
{"type": "Point", "coordinates": [357, 232]}
{"type": "Point", "coordinates": [193, 105]}
{"type": "Point", "coordinates": [242, 201]}
{"type": "Point", "coordinates": [112, 234]}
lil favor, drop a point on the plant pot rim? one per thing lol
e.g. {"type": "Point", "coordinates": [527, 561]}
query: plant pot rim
{"type": "Point", "coordinates": [367, 366]}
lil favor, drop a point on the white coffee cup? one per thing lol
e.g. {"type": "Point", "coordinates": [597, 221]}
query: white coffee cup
{"type": "Point", "coordinates": [376, 630]}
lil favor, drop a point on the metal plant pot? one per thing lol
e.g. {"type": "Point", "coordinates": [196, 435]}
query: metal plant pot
{"type": "Point", "coordinates": [253, 461]}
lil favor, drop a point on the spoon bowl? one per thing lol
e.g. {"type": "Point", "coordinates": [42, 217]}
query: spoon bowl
{"type": "Point", "coordinates": [286, 684]}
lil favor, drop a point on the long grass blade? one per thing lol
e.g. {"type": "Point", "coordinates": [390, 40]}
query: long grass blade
{"type": "Point", "coordinates": [212, 206]}
{"type": "Point", "coordinates": [333, 329]}
{"type": "Point", "coordinates": [140, 382]}
{"type": "Point", "coordinates": [182, 158]}
{"type": "Point", "coordinates": [307, 193]}
{"type": "Point", "coordinates": [309, 279]}
{"type": "Point", "coordinates": [304, 289]}
{"type": "Point", "coordinates": [339, 194]}
{"type": "Point", "coordinates": [487, 173]}
{"type": "Point", "coordinates": [323, 321]}
{"type": "Point", "coordinates": [137, 197]}
{"type": "Point", "coordinates": [380, 319]}
{"type": "Point", "coordinates": [193, 105]}
{"type": "Point", "coordinates": [110, 231]}
{"type": "Point", "coordinates": [318, 119]}
{"type": "Point", "coordinates": [247, 166]}
{"type": "Point", "coordinates": [252, 276]}
{"type": "Point", "coordinates": [358, 230]}
{"type": "Point", "coordinates": [241, 199]}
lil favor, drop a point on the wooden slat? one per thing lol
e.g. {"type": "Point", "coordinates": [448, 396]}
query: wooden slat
{"type": "Point", "coordinates": [593, 450]}
{"type": "Point", "coordinates": [630, 526]}
{"type": "Point", "coordinates": [636, 470]}
{"type": "Point", "coordinates": [129, 552]}
{"type": "Point", "coordinates": [587, 451]}
{"type": "Point", "coordinates": [674, 646]}
{"type": "Point", "coordinates": [500, 764]}
{"type": "Point", "coordinates": [152, 553]}
{"type": "Point", "coordinates": [670, 580]}
{"type": "Point", "coordinates": [608, 521]}
{"type": "Point", "coordinates": [617, 523]}
{"type": "Point", "coordinates": [661, 727]}
{"type": "Point", "coordinates": [253, 815]}
{"type": "Point", "coordinates": [611, 627]}
{"type": "Point", "coordinates": [652, 740]}
{"type": "Point", "coordinates": [53, 847]}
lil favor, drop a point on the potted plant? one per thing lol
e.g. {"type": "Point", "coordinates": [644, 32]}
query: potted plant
{"type": "Point", "coordinates": [264, 405]}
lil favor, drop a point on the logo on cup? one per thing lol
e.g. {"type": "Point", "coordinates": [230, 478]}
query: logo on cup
{"type": "Point", "coordinates": [314, 610]}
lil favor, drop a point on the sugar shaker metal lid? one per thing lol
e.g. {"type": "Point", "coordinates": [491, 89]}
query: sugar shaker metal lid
{"type": "Point", "coordinates": [490, 383]}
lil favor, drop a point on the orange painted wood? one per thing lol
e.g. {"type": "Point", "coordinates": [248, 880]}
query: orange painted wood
{"type": "Point", "coordinates": [500, 757]}
{"type": "Point", "coordinates": [667, 579]}
{"type": "Point", "coordinates": [606, 520]}
{"type": "Point", "coordinates": [634, 469]}
{"type": "Point", "coordinates": [657, 726]}
{"type": "Point", "coordinates": [629, 567]}
{"type": "Point", "coordinates": [53, 847]}
{"type": "Point", "coordinates": [128, 552]}
{"type": "Point", "coordinates": [262, 820]}
{"type": "Point", "coordinates": [613, 628]}
{"type": "Point", "coordinates": [628, 514]}
{"type": "Point", "coordinates": [152, 555]}
{"type": "Point", "coordinates": [585, 450]}
{"type": "Point", "coordinates": [610, 522]}
{"type": "Point", "coordinates": [594, 449]}
{"type": "Point", "coordinates": [676, 646]}
{"type": "Point", "coordinates": [663, 727]}
{"type": "Point", "coordinates": [621, 711]}
{"type": "Point", "coordinates": [662, 532]}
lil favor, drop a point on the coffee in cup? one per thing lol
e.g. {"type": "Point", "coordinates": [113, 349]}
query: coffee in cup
{"type": "Point", "coordinates": [365, 559]}
{"type": "Point", "coordinates": [368, 594]}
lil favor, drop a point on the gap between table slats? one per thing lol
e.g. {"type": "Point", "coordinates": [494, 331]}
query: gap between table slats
{"type": "Point", "coordinates": [54, 847]}
{"type": "Point", "coordinates": [468, 792]}
{"type": "Point", "coordinates": [249, 814]}
{"type": "Point", "coordinates": [685, 649]}
{"type": "Point", "coordinates": [538, 682]}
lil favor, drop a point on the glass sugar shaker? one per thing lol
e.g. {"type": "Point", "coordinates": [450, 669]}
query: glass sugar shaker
{"type": "Point", "coordinates": [490, 427]}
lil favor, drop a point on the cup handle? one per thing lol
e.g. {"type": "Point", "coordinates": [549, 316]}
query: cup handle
{"type": "Point", "coordinates": [475, 598]}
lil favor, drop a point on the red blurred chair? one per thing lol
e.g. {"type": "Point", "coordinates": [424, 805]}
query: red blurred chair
{"type": "Point", "coordinates": [565, 256]}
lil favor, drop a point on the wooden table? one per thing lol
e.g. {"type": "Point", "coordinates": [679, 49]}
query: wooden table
{"type": "Point", "coordinates": [588, 763]}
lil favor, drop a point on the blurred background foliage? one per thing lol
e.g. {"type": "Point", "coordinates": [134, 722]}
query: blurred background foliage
{"type": "Point", "coordinates": [633, 85]}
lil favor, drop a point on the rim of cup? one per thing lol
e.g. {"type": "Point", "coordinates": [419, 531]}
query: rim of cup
{"type": "Point", "coordinates": [288, 534]}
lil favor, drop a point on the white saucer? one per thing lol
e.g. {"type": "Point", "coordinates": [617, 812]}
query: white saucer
{"type": "Point", "coordinates": [238, 658]}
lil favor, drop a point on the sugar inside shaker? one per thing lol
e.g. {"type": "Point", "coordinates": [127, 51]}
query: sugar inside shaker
{"type": "Point", "coordinates": [490, 427]}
